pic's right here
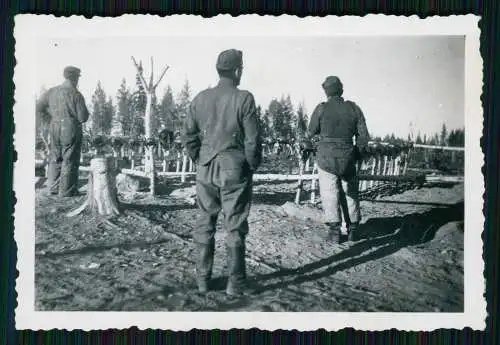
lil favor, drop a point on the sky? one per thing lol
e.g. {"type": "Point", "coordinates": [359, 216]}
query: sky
{"type": "Point", "coordinates": [396, 81]}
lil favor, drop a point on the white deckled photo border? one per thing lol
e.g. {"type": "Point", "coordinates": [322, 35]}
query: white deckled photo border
{"type": "Point", "coordinates": [28, 28]}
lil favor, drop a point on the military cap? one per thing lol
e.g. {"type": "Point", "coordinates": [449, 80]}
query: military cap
{"type": "Point", "coordinates": [229, 59]}
{"type": "Point", "coordinates": [332, 85]}
{"type": "Point", "coordinates": [71, 72]}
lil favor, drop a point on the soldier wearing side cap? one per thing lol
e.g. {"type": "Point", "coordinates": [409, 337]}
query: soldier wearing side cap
{"type": "Point", "coordinates": [65, 106]}
{"type": "Point", "coordinates": [222, 135]}
{"type": "Point", "coordinates": [337, 122]}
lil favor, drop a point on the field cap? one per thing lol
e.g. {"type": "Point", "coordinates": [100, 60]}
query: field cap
{"type": "Point", "coordinates": [332, 85]}
{"type": "Point", "coordinates": [71, 72]}
{"type": "Point", "coordinates": [229, 59]}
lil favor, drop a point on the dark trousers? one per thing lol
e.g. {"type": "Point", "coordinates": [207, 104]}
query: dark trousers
{"type": "Point", "coordinates": [64, 159]}
{"type": "Point", "coordinates": [225, 183]}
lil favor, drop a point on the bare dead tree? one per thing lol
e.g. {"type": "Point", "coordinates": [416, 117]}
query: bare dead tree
{"type": "Point", "coordinates": [149, 88]}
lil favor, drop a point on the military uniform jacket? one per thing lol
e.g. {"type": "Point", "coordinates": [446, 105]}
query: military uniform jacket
{"type": "Point", "coordinates": [63, 103]}
{"type": "Point", "coordinates": [223, 119]}
{"type": "Point", "coordinates": [337, 121]}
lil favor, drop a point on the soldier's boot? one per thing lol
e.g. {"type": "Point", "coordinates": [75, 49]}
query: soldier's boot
{"type": "Point", "coordinates": [334, 232]}
{"type": "Point", "coordinates": [204, 265]}
{"type": "Point", "coordinates": [237, 271]}
{"type": "Point", "coordinates": [353, 234]}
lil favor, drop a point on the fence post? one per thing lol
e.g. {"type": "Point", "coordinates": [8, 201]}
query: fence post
{"type": "Point", "coordinates": [184, 166]}
{"type": "Point", "coordinates": [178, 162]}
{"type": "Point", "coordinates": [314, 183]}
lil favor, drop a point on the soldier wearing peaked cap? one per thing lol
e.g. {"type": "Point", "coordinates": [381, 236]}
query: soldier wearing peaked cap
{"type": "Point", "coordinates": [337, 121]}
{"type": "Point", "coordinates": [65, 106]}
{"type": "Point", "coordinates": [71, 73]}
{"type": "Point", "coordinates": [222, 135]}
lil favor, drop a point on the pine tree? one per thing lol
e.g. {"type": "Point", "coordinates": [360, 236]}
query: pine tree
{"type": "Point", "coordinates": [138, 107]}
{"type": "Point", "coordinates": [418, 140]}
{"type": "Point", "coordinates": [283, 118]}
{"type": "Point", "coordinates": [456, 138]}
{"type": "Point", "coordinates": [302, 121]}
{"type": "Point", "coordinates": [436, 139]}
{"type": "Point", "coordinates": [183, 102]}
{"type": "Point", "coordinates": [98, 116]}
{"type": "Point", "coordinates": [108, 115]}
{"type": "Point", "coordinates": [277, 121]}
{"type": "Point", "coordinates": [461, 137]}
{"type": "Point", "coordinates": [290, 116]}
{"type": "Point", "coordinates": [452, 138]}
{"type": "Point", "coordinates": [266, 123]}
{"type": "Point", "coordinates": [124, 110]}
{"type": "Point", "coordinates": [167, 110]}
{"type": "Point", "coordinates": [444, 135]}
{"type": "Point", "coordinates": [263, 122]}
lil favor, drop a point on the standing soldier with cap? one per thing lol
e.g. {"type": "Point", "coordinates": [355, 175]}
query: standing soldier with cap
{"type": "Point", "coordinates": [337, 121]}
{"type": "Point", "coordinates": [222, 135]}
{"type": "Point", "coordinates": [65, 106]}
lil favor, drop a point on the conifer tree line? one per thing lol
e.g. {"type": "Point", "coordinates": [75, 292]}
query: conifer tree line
{"type": "Point", "coordinates": [122, 114]}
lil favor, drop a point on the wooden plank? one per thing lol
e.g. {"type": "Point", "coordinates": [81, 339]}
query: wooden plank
{"type": "Point", "coordinates": [434, 147]}
{"type": "Point", "coordinates": [297, 177]}
{"type": "Point", "coordinates": [282, 177]}
{"type": "Point", "coordinates": [175, 174]}
{"type": "Point", "coordinates": [392, 178]}
{"type": "Point", "coordinates": [134, 172]}
{"type": "Point", "coordinates": [450, 179]}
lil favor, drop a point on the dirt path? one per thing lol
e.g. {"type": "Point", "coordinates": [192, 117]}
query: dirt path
{"type": "Point", "coordinates": [143, 260]}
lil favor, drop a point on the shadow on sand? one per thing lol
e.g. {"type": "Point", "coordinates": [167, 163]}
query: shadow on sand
{"type": "Point", "coordinates": [380, 237]}
{"type": "Point", "coordinates": [390, 234]}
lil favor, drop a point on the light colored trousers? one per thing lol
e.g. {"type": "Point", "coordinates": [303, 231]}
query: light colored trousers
{"type": "Point", "coordinates": [339, 196]}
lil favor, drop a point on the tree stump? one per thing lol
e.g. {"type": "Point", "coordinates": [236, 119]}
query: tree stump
{"type": "Point", "coordinates": [102, 195]}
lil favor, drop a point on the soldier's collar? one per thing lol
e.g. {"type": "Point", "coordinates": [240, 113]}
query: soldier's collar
{"type": "Point", "coordinates": [223, 81]}
{"type": "Point", "coordinates": [336, 98]}
{"type": "Point", "coordinates": [68, 83]}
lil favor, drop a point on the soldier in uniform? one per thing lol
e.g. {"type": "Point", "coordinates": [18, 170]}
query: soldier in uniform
{"type": "Point", "coordinates": [222, 136]}
{"type": "Point", "coordinates": [65, 106]}
{"type": "Point", "coordinates": [338, 121]}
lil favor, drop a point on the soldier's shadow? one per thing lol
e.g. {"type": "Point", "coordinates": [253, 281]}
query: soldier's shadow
{"type": "Point", "coordinates": [272, 198]}
{"type": "Point", "coordinates": [388, 234]}
{"type": "Point", "coordinates": [149, 208]}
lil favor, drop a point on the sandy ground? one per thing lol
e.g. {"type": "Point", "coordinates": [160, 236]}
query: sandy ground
{"type": "Point", "coordinates": [410, 257]}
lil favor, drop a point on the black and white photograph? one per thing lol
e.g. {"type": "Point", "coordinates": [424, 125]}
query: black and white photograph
{"type": "Point", "coordinates": [310, 173]}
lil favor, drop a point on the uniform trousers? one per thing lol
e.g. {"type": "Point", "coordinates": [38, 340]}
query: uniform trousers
{"type": "Point", "coordinates": [225, 183]}
{"type": "Point", "coordinates": [64, 160]}
{"type": "Point", "coordinates": [339, 194]}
